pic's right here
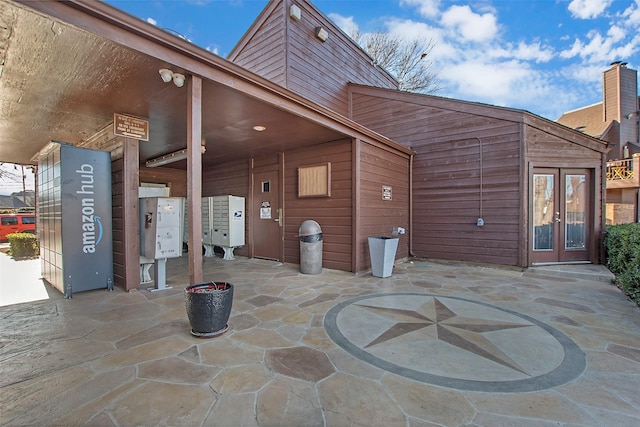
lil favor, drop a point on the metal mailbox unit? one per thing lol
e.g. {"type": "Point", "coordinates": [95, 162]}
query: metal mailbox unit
{"type": "Point", "coordinates": [74, 217]}
{"type": "Point", "coordinates": [223, 224]}
{"type": "Point", "coordinates": [160, 237]}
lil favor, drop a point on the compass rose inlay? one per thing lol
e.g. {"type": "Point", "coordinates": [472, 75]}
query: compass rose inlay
{"type": "Point", "coordinates": [454, 342]}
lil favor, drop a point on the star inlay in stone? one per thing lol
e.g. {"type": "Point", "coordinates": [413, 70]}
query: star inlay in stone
{"type": "Point", "coordinates": [454, 342]}
{"type": "Point", "coordinates": [465, 333]}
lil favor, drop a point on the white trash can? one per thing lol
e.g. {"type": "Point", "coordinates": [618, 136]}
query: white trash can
{"type": "Point", "coordinates": [382, 251]}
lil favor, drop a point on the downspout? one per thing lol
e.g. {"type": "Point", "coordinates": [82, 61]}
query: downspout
{"type": "Point", "coordinates": [480, 221]}
{"type": "Point", "coordinates": [411, 206]}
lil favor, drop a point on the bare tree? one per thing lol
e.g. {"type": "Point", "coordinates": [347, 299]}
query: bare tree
{"type": "Point", "coordinates": [407, 60]}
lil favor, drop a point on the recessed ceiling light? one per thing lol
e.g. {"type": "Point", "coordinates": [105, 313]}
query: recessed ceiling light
{"type": "Point", "coordinates": [259, 128]}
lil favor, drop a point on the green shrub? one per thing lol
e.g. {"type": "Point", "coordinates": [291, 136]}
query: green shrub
{"type": "Point", "coordinates": [622, 246]}
{"type": "Point", "coordinates": [23, 245]}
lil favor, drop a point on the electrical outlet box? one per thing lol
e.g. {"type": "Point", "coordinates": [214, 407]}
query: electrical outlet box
{"type": "Point", "coordinates": [480, 222]}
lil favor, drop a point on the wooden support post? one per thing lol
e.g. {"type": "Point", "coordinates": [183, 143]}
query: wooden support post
{"type": "Point", "coordinates": [194, 177]}
{"type": "Point", "coordinates": [130, 220]}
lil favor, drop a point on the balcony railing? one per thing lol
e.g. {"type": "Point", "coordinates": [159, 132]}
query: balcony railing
{"type": "Point", "coordinates": [623, 173]}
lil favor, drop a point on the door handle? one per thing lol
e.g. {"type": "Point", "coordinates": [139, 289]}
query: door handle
{"type": "Point", "coordinates": [279, 219]}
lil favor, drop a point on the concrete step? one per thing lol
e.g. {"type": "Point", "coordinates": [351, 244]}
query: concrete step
{"type": "Point", "coordinates": [593, 272]}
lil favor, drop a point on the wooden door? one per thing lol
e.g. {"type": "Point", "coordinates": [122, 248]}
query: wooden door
{"type": "Point", "coordinates": [561, 215]}
{"type": "Point", "coordinates": [267, 216]}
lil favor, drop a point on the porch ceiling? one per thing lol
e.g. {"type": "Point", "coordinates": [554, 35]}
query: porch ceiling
{"type": "Point", "coordinates": [58, 82]}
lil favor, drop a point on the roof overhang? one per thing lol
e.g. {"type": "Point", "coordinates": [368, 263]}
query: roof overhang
{"type": "Point", "coordinates": [69, 66]}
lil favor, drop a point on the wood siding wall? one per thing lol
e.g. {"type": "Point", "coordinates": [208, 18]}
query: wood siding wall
{"type": "Point", "coordinates": [447, 175]}
{"type": "Point", "coordinates": [175, 179]}
{"type": "Point", "coordinates": [125, 227]}
{"type": "Point", "coordinates": [319, 71]}
{"type": "Point", "coordinates": [264, 48]}
{"type": "Point", "coordinates": [230, 178]}
{"type": "Point", "coordinates": [117, 217]}
{"type": "Point", "coordinates": [333, 214]}
{"type": "Point", "coordinates": [377, 216]}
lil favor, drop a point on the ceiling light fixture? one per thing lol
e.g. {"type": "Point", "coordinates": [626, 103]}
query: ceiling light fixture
{"type": "Point", "coordinates": [168, 75]}
{"type": "Point", "coordinates": [170, 158]}
{"type": "Point", "coordinates": [259, 128]}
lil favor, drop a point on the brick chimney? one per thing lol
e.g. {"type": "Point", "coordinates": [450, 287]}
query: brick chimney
{"type": "Point", "coordinates": [620, 103]}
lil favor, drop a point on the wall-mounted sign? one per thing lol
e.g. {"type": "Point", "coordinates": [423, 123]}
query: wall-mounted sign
{"type": "Point", "coordinates": [130, 127]}
{"type": "Point", "coordinates": [265, 210]}
{"type": "Point", "coordinates": [386, 192]}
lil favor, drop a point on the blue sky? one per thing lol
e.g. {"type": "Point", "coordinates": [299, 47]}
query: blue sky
{"type": "Point", "coordinates": [543, 56]}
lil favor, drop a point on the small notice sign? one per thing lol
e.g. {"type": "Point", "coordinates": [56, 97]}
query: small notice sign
{"type": "Point", "coordinates": [265, 213]}
{"type": "Point", "coordinates": [386, 192]}
{"type": "Point", "coordinates": [130, 127]}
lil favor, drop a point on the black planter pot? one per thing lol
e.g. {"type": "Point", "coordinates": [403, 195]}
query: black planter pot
{"type": "Point", "coordinates": [208, 308]}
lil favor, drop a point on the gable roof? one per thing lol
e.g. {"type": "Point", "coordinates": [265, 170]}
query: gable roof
{"type": "Point", "coordinates": [487, 110]}
{"type": "Point", "coordinates": [274, 4]}
{"type": "Point", "coordinates": [588, 120]}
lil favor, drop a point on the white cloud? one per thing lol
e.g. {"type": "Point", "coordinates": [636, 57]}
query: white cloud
{"type": "Point", "coordinates": [426, 8]}
{"type": "Point", "coordinates": [585, 74]}
{"type": "Point", "coordinates": [502, 83]}
{"type": "Point", "coordinates": [532, 52]}
{"type": "Point", "coordinates": [471, 26]}
{"type": "Point", "coordinates": [411, 30]}
{"type": "Point", "coordinates": [616, 33]}
{"type": "Point", "coordinates": [588, 9]}
{"type": "Point", "coordinates": [599, 49]}
{"type": "Point", "coordinates": [152, 21]}
{"type": "Point", "coordinates": [632, 15]}
{"type": "Point", "coordinates": [346, 23]}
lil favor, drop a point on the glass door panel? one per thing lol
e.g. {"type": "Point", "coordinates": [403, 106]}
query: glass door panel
{"type": "Point", "coordinates": [560, 215]}
{"type": "Point", "coordinates": [543, 212]}
{"type": "Point", "coordinates": [575, 212]}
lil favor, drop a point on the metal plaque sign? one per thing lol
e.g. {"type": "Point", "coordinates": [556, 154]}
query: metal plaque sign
{"type": "Point", "coordinates": [130, 127]}
{"type": "Point", "coordinates": [386, 192]}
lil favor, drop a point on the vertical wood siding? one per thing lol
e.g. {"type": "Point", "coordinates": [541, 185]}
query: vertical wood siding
{"type": "Point", "coordinates": [378, 217]}
{"type": "Point", "coordinates": [446, 177]}
{"type": "Point", "coordinates": [333, 214]}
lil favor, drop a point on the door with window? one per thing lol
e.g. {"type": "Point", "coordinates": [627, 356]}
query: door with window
{"type": "Point", "coordinates": [267, 215]}
{"type": "Point", "coordinates": [561, 215]}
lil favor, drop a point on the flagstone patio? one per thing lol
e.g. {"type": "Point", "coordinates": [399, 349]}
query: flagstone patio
{"type": "Point", "coordinates": [436, 343]}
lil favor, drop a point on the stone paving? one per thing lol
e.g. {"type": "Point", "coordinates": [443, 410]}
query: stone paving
{"type": "Point", "coordinates": [435, 344]}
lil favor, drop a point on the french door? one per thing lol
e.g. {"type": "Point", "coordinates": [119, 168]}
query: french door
{"type": "Point", "coordinates": [560, 215]}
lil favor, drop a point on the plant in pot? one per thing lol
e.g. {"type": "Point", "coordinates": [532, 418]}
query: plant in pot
{"type": "Point", "coordinates": [208, 308]}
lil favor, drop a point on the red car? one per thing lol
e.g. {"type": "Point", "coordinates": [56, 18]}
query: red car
{"type": "Point", "coordinates": [16, 223]}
